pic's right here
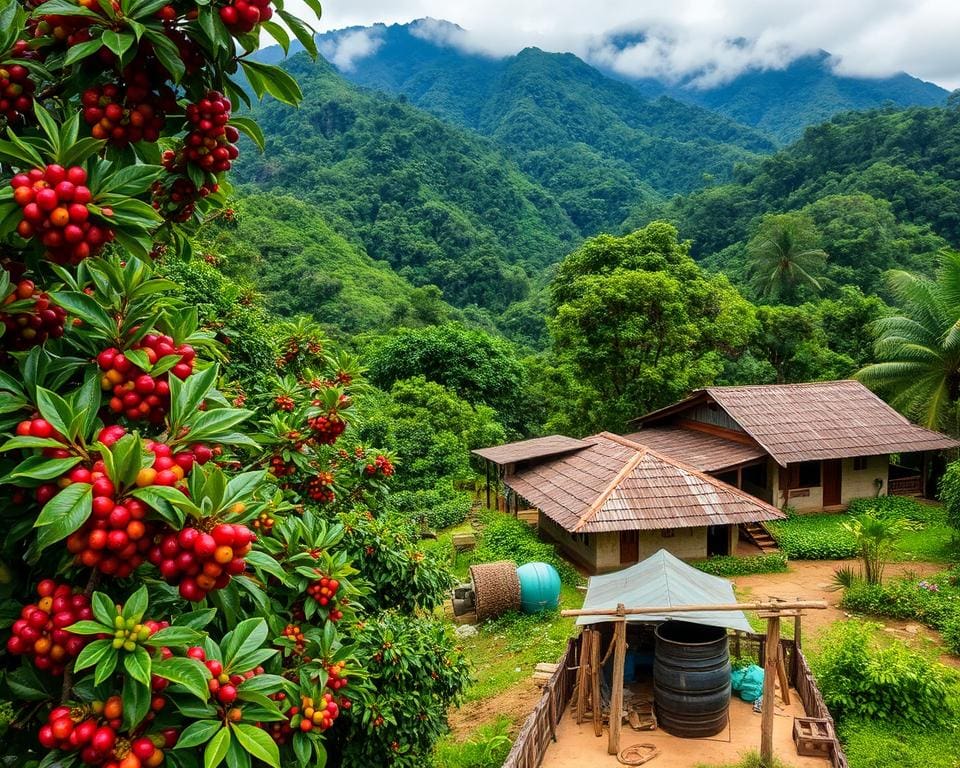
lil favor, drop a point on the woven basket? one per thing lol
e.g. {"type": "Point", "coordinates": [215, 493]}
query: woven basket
{"type": "Point", "coordinates": [496, 588]}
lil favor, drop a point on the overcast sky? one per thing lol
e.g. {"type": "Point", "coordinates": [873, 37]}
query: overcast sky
{"type": "Point", "coordinates": [713, 39]}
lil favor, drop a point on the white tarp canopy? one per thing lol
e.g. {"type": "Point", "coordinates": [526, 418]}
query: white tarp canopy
{"type": "Point", "coordinates": [663, 580]}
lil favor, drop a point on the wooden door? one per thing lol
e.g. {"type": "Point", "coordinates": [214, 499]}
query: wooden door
{"type": "Point", "coordinates": [629, 547]}
{"type": "Point", "coordinates": [832, 474]}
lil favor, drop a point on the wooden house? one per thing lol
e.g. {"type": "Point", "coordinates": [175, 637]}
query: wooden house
{"type": "Point", "coordinates": [813, 447]}
{"type": "Point", "coordinates": [610, 502]}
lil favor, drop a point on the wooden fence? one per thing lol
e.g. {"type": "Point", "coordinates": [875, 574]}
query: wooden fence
{"type": "Point", "coordinates": [540, 727]}
{"type": "Point", "coordinates": [814, 705]}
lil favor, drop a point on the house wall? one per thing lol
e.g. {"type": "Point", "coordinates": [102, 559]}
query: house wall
{"type": "Point", "coordinates": [685, 543]}
{"type": "Point", "coordinates": [854, 484]}
{"type": "Point", "coordinates": [715, 416]}
{"type": "Point", "coordinates": [857, 484]}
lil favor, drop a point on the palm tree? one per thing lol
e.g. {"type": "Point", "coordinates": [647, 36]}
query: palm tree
{"type": "Point", "coordinates": [783, 257]}
{"type": "Point", "coordinates": [918, 350]}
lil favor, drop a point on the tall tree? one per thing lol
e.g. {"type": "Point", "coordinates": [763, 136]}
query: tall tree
{"type": "Point", "coordinates": [784, 258]}
{"type": "Point", "coordinates": [918, 350]}
{"type": "Point", "coordinates": [638, 324]}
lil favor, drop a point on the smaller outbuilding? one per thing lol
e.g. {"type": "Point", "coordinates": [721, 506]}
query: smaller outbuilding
{"type": "Point", "coordinates": [609, 502]}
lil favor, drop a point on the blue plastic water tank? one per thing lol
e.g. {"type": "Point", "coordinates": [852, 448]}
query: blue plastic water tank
{"type": "Point", "coordinates": [539, 587]}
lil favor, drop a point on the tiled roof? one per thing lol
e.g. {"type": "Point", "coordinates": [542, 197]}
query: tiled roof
{"type": "Point", "coordinates": [535, 448]}
{"type": "Point", "coordinates": [708, 453]}
{"type": "Point", "coordinates": [619, 485]}
{"type": "Point", "coordinates": [818, 420]}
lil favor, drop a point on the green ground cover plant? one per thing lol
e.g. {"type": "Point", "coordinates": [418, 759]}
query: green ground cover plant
{"type": "Point", "coordinates": [731, 565]}
{"type": "Point", "coordinates": [814, 537]}
{"type": "Point", "coordinates": [507, 538]}
{"type": "Point", "coordinates": [487, 748]}
{"type": "Point", "coordinates": [870, 744]}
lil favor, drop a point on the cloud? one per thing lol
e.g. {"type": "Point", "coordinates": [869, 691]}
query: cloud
{"type": "Point", "coordinates": [707, 41]}
{"type": "Point", "coordinates": [345, 50]}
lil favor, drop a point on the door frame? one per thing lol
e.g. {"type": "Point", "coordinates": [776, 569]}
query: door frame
{"type": "Point", "coordinates": [831, 479]}
{"type": "Point", "coordinates": [629, 547]}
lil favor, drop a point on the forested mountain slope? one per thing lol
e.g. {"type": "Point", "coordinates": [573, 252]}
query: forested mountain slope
{"type": "Point", "coordinates": [440, 205]}
{"type": "Point", "coordinates": [888, 179]}
{"type": "Point", "coordinates": [595, 142]}
{"type": "Point", "coordinates": [780, 102]}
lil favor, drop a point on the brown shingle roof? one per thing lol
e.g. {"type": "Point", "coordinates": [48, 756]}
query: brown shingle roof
{"type": "Point", "coordinates": [708, 453]}
{"type": "Point", "coordinates": [817, 420]}
{"type": "Point", "coordinates": [619, 485]}
{"type": "Point", "coordinates": [535, 448]}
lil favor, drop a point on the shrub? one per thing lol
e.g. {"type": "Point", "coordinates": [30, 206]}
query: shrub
{"type": "Point", "coordinates": [441, 507]}
{"type": "Point", "coordinates": [896, 506]}
{"type": "Point", "coordinates": [950, 493]}
{"type": "Point", "coordinates": [930, 601]}
{"type": "Point", "coordinates": [731, 565]}
{"type": "Point", "coordinates": [814, 537]}
{"type": "Point", "coordinates": [488, 748]}
{"type": "Point", "coordinates": [871, 744]}
{"type": "Point", "coordinates": [860, 681]}
{"type": "Point", "coordinates": [506, 538]}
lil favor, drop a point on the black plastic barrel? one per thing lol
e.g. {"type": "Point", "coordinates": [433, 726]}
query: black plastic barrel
{"type": "Point", "coordinates": [691, 679]}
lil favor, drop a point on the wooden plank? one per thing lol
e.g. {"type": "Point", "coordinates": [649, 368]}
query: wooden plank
{"type": "Point", "coordinates": [595, 700]}
{"type": "Point", "coordinates": [616, 698]}
{"type": "Point", "coordinates": [782, 676]}
{"type": "Point", "coordinates": [758, 606]}
{"type": "Point", "coordinates": [582, 674]}
{"type": "Point", "coordinates": [769, 672]}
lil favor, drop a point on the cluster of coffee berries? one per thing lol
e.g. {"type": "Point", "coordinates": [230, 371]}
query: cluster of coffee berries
{"type": "Point", "coordinates": [284, 403]}
{"type": "Point", "coordinates": [126, 115]}
{"type": "Point", "coordinates": [327, 427]}
{"type": "Point", "coordinates": [318, 714]}
{"type": "Point", "coordinates": [336, 679]}
{"type": "Point", "coordinates": [40, 631]}
{"type": "Point", "coordinates": [176, 200]}
{"type": "Point", "coordinates": [169, 468]}
{"type": "Point", "coordinates": [281, 468]}
{"type": "Point", "coordinates": [324, 591]}
{"type": "Point", "coordinates": [53, 202]}
{"type": "Point", "coordinates": [294, 633]}
{"type": "Point", "coordinates": [211, 143]}
{"type": "Point", "coordinates": [223, 686]}
{"type": "Point", "coordinates": [320, 488]}
{"type": "Point", "coordinates": [202, 560]}
{"type": "Point", "coordinates": [16, 88]}
{"type": "Point", "coordinates": [138, 395]}
{"type": "Point", "coordinates": [264, 523]}
{"type": "Point", "coordinates": [116, 537]}
{"type": "Point", "coordinates": [94, 732]}
{"type": "Point", "coordinates": [241, 16]}
{"type": "Point", "coordinates": [380, 466]}
{"type": "Point", "coordinates": [28, 327]}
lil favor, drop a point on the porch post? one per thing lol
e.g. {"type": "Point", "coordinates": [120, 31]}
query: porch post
{"type": "Point", "coordinates": [486, 466]}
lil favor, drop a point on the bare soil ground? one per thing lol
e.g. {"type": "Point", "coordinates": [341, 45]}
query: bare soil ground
{"type": "Point", "coordinates": [516, 703]}
{"type": "Point", "coordinates": [811, 580]}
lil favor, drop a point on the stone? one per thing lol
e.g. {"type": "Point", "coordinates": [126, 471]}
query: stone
{"type": "Point", "coordinates": [466, 630]}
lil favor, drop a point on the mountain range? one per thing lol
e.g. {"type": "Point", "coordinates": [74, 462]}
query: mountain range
{"type": "Point", "coordinates": [417, 60]}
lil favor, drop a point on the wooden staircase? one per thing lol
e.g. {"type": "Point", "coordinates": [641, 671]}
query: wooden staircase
{"type": "Point", "coordinates": [759, 535]}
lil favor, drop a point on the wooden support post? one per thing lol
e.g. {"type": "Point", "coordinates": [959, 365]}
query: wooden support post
{"type": "Point", "coordinates": [769, 678]}
{"type": "Point", "coordinates": [486, 465]}
{"type": "Point", "coordinates": [782, 676]}
{"type": "Point", "coordinates": [616, 697]}
{"type": "Point", "coordinates": [795, 665]}
{"type": "Point", "coordinates": [582, 677]}
{"type": "Point", "coordinates": [596, 704]}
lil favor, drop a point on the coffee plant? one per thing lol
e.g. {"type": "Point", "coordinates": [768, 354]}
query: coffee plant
{"type": "Point", "coordinates": [177, 575]}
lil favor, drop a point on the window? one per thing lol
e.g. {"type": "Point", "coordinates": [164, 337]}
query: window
{"type": "Point", "coordinates": [859, 463]}
{"type": "Point", "coordinates": [806, 474]}
{"type": "Point", "coordinates": [667, 533]}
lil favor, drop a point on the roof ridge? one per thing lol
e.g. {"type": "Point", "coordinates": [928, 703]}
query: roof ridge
{"type": "Point", "coordinates": [784, 385]}
{"type": "Point", "coordinates": [712, 480]}
{"type": "Point", "coordinates": [607, 492]}
{"type": "Point", "coordinates": [679, 464]}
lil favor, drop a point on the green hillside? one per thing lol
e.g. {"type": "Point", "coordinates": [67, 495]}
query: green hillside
{"type": "Point", "coordinates": [301, 265]}
{"type": "Point", "coordinates": [440, 205]}
{"type": "Point", "coordinates": [882, 188]}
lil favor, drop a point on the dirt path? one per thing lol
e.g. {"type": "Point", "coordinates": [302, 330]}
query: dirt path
{"type": "Point", "coordinates": [516, 702]}
{"type": "Point", "coordinates": [811, 580]}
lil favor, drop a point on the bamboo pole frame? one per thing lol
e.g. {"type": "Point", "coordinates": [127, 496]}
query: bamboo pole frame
{"type": "Point", "coordinates": [772, 659]}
